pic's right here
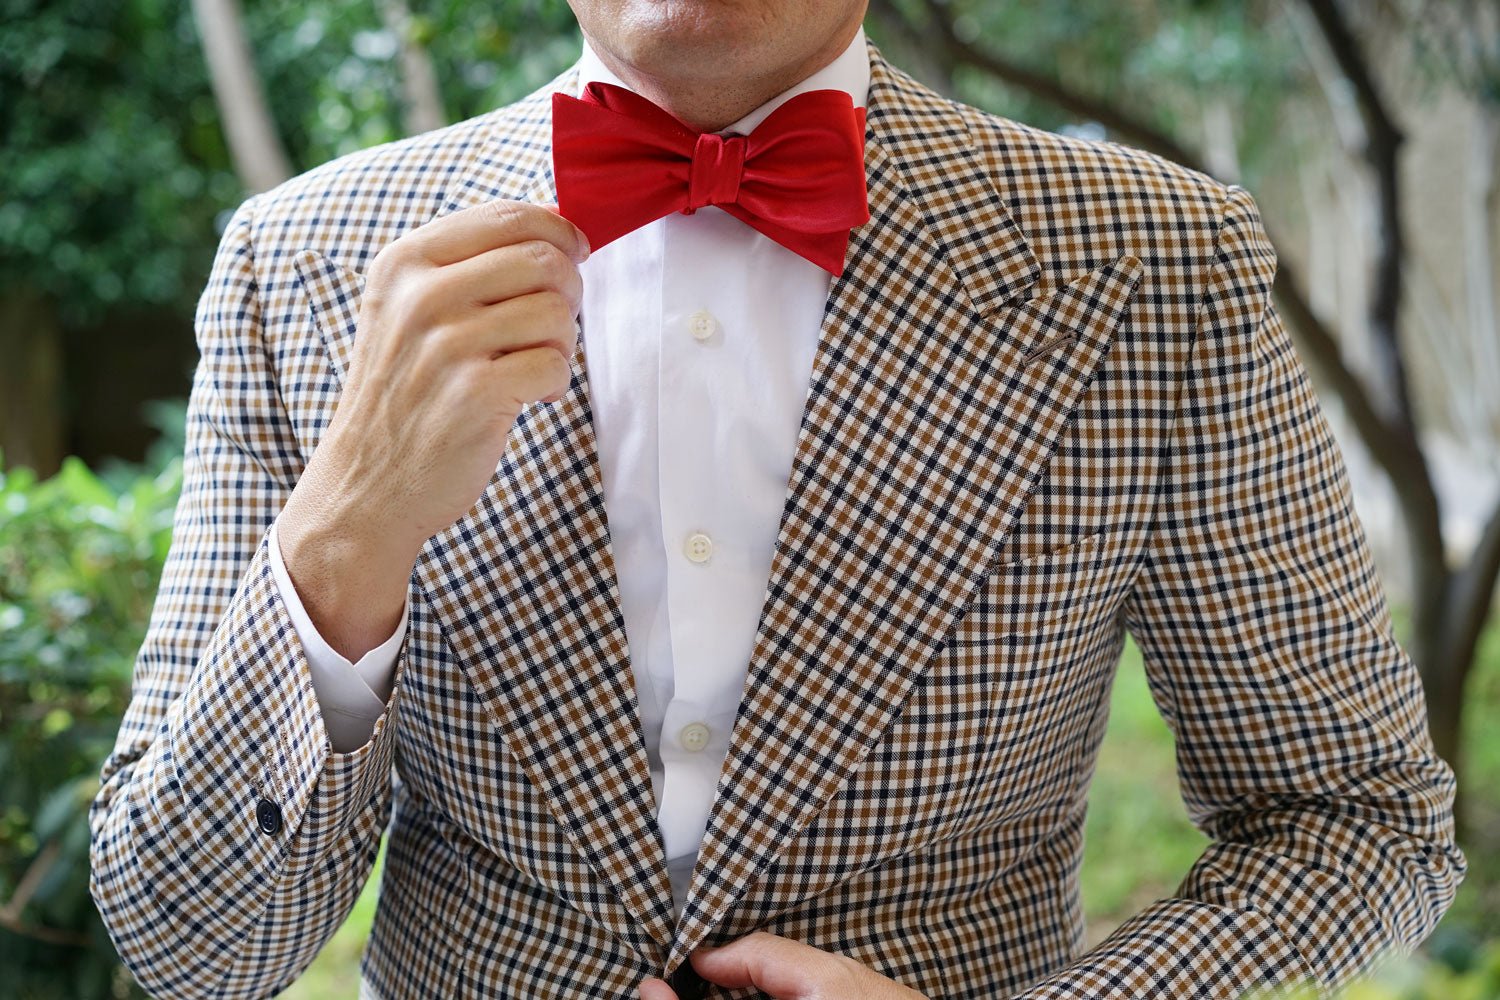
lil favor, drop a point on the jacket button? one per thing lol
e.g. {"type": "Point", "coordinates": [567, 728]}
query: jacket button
{"type": "Point", "coordinates": [686, 982]}
{"type": "Point", "coordinates": [268, 816]}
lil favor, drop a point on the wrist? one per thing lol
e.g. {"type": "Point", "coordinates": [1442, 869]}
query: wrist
{"type": "Point", "coordinates": [341, 515]}
{"type": "Point", "coordinates": [351, 575]}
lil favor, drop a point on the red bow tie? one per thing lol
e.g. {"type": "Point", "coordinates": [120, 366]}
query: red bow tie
{"type": "Point", "coordinates": [798, 177]}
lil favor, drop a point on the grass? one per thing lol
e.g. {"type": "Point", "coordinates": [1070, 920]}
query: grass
{"type": "Point", "coordinates": [1140, 844]}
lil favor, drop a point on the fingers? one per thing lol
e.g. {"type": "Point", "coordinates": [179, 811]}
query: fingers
{"type": "Point", "coordinates": [510, 271]}
{"type": "Point", "coordinates": [656, 989]}
{"type": "Point", "coordinates": [786, 970]}
{"type": "Point", "coordinates": [540, 319]}
{"type": "Point", "coordinates": [486, 226]}
{"type": "Point", "coordinates": [539, 374]}
{"type": "Point", "coordinates": [510, 297]}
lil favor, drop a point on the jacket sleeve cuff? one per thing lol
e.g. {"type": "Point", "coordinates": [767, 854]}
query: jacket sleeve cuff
{"type": "Point", "coordinates": [248, 729]}
{"type": "Point", "coordinates": [1181, 948]}
{"type": "Point", "coordinates": [351, 696]}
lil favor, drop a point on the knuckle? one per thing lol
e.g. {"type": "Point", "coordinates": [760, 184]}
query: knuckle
{"type": "Point", "coordinates": [544, 255]}
{"type": "Point", "coordinates": [556, 374]}
{"type": "Point", "coordinates": [559, 367]}
{"type": "Point", "coordinates": [505, 213]}
{"type": "Point", "coordinates": [374, 303]}
{"type": "Point", "coordinates": [469, 380]}
{"type": "Point", "coordinates": [440, 346]}
{"type": "Point", "coordinates": [386, 263]}
{"type": "Point", "coordinates": [408, 304]}
{"type": "Point", "coordinates": [557, 309]}
{"type": "Point", "coordinates": [572, 285]}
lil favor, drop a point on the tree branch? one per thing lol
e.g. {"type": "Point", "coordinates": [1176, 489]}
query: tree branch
{"type": "Point", "coordinates": [1473, 595]}
{"type": "Point", "coordinates": [1382, 147]}
{"type": "Point", "coordinates": [10, 911]}
{"type": "Point", "coordinates": [259, 157]}
{"type": "Point", "coordinates": [940, 30]}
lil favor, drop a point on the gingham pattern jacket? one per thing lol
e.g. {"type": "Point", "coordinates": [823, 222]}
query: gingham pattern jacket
{"type": "Point", "coordinates": [1051, 402]}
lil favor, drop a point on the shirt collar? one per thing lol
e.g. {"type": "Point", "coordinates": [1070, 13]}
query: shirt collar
{"type": "Point", "coordinates": [850, 72]}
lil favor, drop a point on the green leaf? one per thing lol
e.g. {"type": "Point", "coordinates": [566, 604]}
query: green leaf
{"type": "Point", "coordinates": [61, 806]}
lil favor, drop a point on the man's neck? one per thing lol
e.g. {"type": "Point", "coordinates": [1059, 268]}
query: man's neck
{"type": "Point", "coordinates": [716, 107]}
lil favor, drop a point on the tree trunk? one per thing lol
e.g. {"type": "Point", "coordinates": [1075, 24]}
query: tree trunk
{"type": "Point", "coordinates": [422, 101]}
{"type": "Point", "coordinates": [1479, 258]}
{"type": "Point", "coordinates": [259, 157]}
{"type": "Point", "coordinates": [31, 404]}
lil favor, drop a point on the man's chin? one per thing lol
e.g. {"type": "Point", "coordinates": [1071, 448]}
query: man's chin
{"type": "Point", "coordinates": [681, 58]}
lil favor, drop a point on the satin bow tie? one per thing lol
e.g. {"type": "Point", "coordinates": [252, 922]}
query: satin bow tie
{"type": "Point", "coordinates": [799, 177]}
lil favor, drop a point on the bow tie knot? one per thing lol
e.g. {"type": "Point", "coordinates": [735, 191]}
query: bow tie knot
{"type": "Point", "coordinates": [798, 178]}
{"type": "Point", "coordinates": [718, 165]}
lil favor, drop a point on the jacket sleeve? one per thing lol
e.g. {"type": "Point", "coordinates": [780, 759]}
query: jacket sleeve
{"type": "Point", "coordinates": [1300, 727]}
{"type": "Point", "coordinates": [228, 840]}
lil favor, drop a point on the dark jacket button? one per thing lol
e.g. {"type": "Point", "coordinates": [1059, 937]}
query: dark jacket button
{"type": "Point", "coordinates": [268, 815]}
{"type": "Point", "coordinates": [686, 982]}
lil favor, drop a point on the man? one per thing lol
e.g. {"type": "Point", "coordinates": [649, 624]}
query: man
{"type": "Point", "coordinates": [781, 632]}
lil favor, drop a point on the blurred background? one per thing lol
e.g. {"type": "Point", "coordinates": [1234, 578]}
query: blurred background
{"type": "Point", "coordinates": [1368, 131]}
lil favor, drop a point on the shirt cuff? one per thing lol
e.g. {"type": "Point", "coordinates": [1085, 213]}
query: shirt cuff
{"type": "Point", "coordinates": [351, 696]}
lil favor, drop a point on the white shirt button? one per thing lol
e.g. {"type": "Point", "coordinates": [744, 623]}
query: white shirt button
{"type": "Point", "coordinates": [699, 547]}
{"type": "Point", "coordinates": [693, 737]}
{"type": "Point", "coordinates": [702, 324]}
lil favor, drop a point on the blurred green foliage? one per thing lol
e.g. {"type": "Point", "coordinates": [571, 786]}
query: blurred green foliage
{"type": "Point", "coordinates": [113, 166]}
{"type": "Point", "coordinates": [80, 556]}
{"type": "Point", "coordinates": [1164, 60]}
{"type": "Point", "coordinates": [1418, 977]}
{"type": "Point", "coordinates": [115, 179]}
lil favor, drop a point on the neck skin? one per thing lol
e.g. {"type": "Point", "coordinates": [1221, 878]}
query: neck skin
{"type": "Point", "coordinates": [714, 106]}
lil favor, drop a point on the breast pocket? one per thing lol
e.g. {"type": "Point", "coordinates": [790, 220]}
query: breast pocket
{"type": "Point", "coordinates": [1031, 645]}
{"type": "Point", "coordinates": [1037, 593]}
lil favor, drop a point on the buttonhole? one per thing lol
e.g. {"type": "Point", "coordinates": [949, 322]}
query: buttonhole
{"type": "Point", "coordinates": [1047, 347]}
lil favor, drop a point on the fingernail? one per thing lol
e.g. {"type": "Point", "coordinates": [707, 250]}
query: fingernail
{"type": "Point", "coordinates": [583, 245]}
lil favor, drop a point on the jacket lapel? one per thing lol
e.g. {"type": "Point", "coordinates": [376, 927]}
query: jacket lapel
{"type": "Point", "coordinates": [939, 391]}
{"type": "Point", "coordinates": [525, 586]}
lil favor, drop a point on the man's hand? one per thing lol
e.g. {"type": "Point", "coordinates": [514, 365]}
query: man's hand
{"type": "Point", "coordinates": [787, 970]}
{"type": "Point", "coordinates": [462, 322]}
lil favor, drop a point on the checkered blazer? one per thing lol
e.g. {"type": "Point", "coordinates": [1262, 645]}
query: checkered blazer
{"type": "Point", "coordinates": [1051, 402]}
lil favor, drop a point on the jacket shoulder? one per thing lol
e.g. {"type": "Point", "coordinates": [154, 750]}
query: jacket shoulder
{"type": "Point", "coordinates": [350, 207]}
{"type": "Point", "coordinates": [1084, 202]}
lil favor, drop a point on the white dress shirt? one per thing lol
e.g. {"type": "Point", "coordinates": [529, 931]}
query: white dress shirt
{"type": "Point", "coordinates": [699, 334]}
